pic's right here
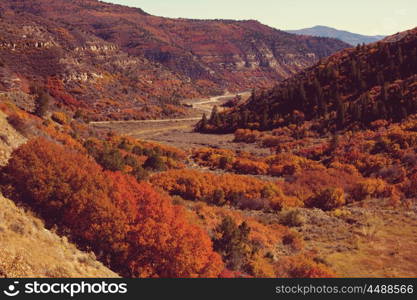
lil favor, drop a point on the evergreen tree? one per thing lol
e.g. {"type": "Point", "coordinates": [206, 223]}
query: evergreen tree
{"type": "Point", "coordinates": [215, 117]}
{"type": "Point", "coordinates": [244, 119]}
{"type": "Point", "coordinates": [264, 120]}
{"type": "Point", "coordinates": [341, 114]}
{"type": "Point", "coordinates": [233, 243]}
{"type": "Point", "coordinates": [42, 102]}
{"type": "Point", "coordinates": [203, 123]}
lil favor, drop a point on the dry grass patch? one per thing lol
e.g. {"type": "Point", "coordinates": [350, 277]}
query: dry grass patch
{"type": "Point", "coordinates": [27, 249]}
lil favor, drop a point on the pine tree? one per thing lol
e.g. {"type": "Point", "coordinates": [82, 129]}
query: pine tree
{"type": "Point", "coordinates": [215, 117]}
{"type": "Point", "coordinates": [203, 123]}
{"type": "Point", "coordinates": [341, 114]}
{"type": "Point", "coordinates": [244, 119]}
{"type": "Point", "coordinates": [264, 120]}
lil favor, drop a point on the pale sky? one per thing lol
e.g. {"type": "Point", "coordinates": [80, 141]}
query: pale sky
{"type": "Point", "coordinates": [369, 17]}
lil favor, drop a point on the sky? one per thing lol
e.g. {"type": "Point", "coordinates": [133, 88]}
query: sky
{"type": "Point", "coordinates": [369, 17]}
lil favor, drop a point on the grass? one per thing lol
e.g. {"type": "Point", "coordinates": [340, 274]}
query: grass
{"type": "Point", "coordinates": [383, 245]}
{"type": "Point", "coordinates": [27, 249]}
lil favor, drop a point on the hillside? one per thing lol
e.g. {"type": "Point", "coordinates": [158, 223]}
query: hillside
{"type": "Point", "coordinates": [345, 36]}
{"type": "Point", "coordinates": [350, 89]}
{"type": "Point", "coordinates": [28, 249]}
{"type": "Point", "coordinates": [116, 62]}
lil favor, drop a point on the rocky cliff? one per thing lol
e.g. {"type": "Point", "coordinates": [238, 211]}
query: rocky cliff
{"type": "Point", "coordinates": [119, 62]}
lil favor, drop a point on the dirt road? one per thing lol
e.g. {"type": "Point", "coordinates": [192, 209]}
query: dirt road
{"type": "Point", "coordinates": [180, 132]}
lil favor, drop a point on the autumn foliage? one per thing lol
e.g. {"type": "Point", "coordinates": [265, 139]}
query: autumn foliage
{"type": "Point", "coordinates": [241, 191]}
{"type": "Point", "coordinates": [131, 228]}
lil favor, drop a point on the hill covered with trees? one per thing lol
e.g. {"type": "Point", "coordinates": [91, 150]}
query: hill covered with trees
{"type": "Point", "coordinates": [350, 89]}
{"type": "Point", "coordinates": [117, 62]}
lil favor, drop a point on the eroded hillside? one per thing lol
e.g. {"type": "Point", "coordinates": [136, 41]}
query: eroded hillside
{"type": "Point", "coordinates": [116, 62]}
{"type": "Point", "coordinates": [28, 249]}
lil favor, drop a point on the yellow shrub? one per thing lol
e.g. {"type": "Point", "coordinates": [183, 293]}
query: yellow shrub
{"type": "Point", "coordinates": [60, 117]}
{"type": "Point", "coordinates": [328, 199]}
{"type": "Point", "coordinates": [369, 188]}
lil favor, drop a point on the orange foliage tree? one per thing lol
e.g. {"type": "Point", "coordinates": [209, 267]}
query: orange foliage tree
{"type": "Point", "coordinates": [130, 227]}
{"type": "Point", "coordinates": [239, 190]}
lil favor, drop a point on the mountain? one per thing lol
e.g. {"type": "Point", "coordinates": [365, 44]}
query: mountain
{"type": "Point", "coordinates": [346, 36]}
{"type": "Point", "coordinates": [117, 62]}
{"type": "Point", "coordinates": [350, 89]}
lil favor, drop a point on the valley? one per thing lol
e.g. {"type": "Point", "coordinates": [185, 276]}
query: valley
{"type": "Point", "coordinates": [179, 132]}
{"type": "Point", "coordinates": [141, 146]}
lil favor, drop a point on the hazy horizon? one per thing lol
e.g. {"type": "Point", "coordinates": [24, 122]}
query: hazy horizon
{"type": "Point", "coordinates": [371, 17]}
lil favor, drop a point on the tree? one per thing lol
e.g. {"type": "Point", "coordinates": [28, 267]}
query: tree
{"type": "Point", "coordinates": [130, 227]}
{"type": "Point", "coordinates": [155, 163]}
{"type": "Point", "coordinates": [69, 190]}
{"type": "Point", "coordinates": [203, 123]}
{"type": "Point", "coordinates": [215, 117]}
{"type": "Point", "coordinates": [161, 241]}
{"type": "Point", "coordinates": [233, 243]}
{"type": "Point", "coordinates": [341, 112]}
{"type": "Point", "coordinates": [111, 160]}
{"type": "Point", "coordinates": [244, 120]}
{"type": "Point", "coordinates": [42, 104]}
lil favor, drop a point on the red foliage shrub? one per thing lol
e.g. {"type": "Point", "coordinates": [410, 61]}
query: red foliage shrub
{"type": "Point", "coordinates": [130, 227]}
{"type": "Point", "coordinates": [328, 199]}
{"type": "Point", "coordinates": [302, 267]}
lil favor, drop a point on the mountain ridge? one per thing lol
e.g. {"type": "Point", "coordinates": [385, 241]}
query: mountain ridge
{"type": "Point", "coordinates": [141, 63]}
{"type": "Point", "coordinates": [344, 35]}
{"type": "Point", "coordinates": [347, 90]}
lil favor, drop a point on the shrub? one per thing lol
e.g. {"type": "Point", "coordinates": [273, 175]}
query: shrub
{"type": "Point", "coordinates": [411, 186]}
{"type": "Point", "coordinates": [246, 166]}
{"type": "Point", "coordinates": [42, 104]}
{"type": "Point", "coordinates": [369, 188]}
{"type": "Point", "coordinates": [328, 199]}
{"type": "Point", "coordinates": [241, 191]}
{"type": "Point", "coordinates": [155, 163]}
{"type": "Point", "coordinates": [140, 173]}
{"type": "Point", "coordinates": [232, 242]}
{"type": "Point", "coordinates": [302, 267]}
{"type": "Point", "coordinates": [292, 239]}
{"type": "Point", "coordinates": [19, 123]}
{"type": "Point", "coordinates": [111, 160]}
{"type": "Point", "coordinates": [129, 226]}
{"type": "Point", "coordinates": [60, 117]}
{"type": "Point", "coordinates": [246, 135]}
{"type": "Point", "coordinates": [293, 218]}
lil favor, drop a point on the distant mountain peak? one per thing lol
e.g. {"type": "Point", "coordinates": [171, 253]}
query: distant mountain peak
{"type": "Point", "coordinates": [346, 36]}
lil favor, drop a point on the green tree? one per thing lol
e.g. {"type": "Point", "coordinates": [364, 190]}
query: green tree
{"type": "Point", "coordinates": [215, 117]}
{"type": "Point", "coordinates": [232, 242]}
{"type": "Point", "coordinates": [155, 163]}
{"type": "Point", "coordinates": [203, 123]}
{"type": "Point", "coordinates": [42, 102]}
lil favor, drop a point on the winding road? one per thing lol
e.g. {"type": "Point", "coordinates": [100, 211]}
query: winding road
{"type": "Point", "coordinates": [177, 129]}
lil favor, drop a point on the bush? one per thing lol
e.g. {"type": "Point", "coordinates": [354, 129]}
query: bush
{"type": "Point", "coordinates": [302, 267]}
{"type": "Point", "coordinates": [292, 239]}
{"type": "Point", "coordinates": [293, 218]}
{"type": "Point", "coordinates": [369, 188]}
{"type": "Point", "coordinates": [60, 118]}
{"type": "Point", "coordinates": [42, 104]}
{"type": "Point", "coordinates": [20, 124]}
{"type": "Point", "coordinates": [140, 173]}
{"type": "Point", "coordinates": [232, 242]}
{"type": "Point", "coordinates": [241, 191]}
{"type": "Point", "coordinates": [111, 160]}
{"type": "Point", "coordinates": [328, 199]}
{"type": "Point", "coordinates": [155, 163]}
{"type": "Point", "coordinates": [128, 225]}
{"type": "Point", "coordinates": [246, 166]}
